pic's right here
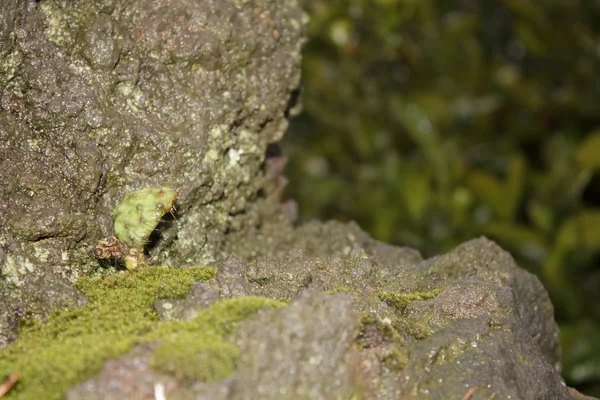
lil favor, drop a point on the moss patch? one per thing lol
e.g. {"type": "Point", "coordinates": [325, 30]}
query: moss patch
{"type": "Point", "coordinates": [197, 349]}
{"type": "Point", "coordinates": [401, 301]}
{"type": "Point", "coordinates": [74, 344]}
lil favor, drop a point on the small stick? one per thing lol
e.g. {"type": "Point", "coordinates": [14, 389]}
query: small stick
{"type": "Point", "coordinates": [469, 394]}
{"type": "Point", "coordinates": [9, 383]}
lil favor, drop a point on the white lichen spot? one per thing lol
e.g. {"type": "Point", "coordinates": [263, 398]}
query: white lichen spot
{"type": "Point", "coordinates": [34, 144]}
{"type": "Point", "coordinates": [159, 391]}
{"type": "Point", "coordinates": [41, 253]}
{"type": "Point", "coordinates": [55, 24]}
{"type": "Point", "coordinates": [132, 106]}
{"type": "Point", "coordinates": [211, 156]}
{"type": "Point", "coordinates": [218, 131]}
{"type": "Point", "coordinates": [64, 256]}
{"type": "Point", "coordinates": [125, 88]}
{"type": "Point", "coordinates": [15, 267]}
{"type": "Point", "coordinates": [234, 157]}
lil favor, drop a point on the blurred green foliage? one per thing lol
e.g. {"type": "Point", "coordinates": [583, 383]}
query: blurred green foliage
{"type": "Point", "coordinates": [431, 122]}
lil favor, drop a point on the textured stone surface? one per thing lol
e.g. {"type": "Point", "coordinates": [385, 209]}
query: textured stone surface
{"type": "Point", "coordinates": [100, 98]}
{"type": "Point", "coordinates": [288, 352]}
{"type": "Point", "coordinates": [380, 323]}
{"type": "Point", "coordinates": [103, 97]}
{"type": "Point", "coordinates": [470, 318]}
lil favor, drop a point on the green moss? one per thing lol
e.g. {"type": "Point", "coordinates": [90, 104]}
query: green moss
{"type": "Point", "coordinates": [197, 349]}
{"type": "Point", "coordinates": [396, 358]}
{"type": "Point", "coordinates": [343, 289]}
{"type": "Point", "coordinates": [191, 358]}
{"type": "Point", "coordinates": [74, 344]}
{"type": "Point", "coordinates": [401, 301]}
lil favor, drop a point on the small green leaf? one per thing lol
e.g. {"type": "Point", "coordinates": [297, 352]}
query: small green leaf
{"type": "Point", "coordinates": [541, 216]}
{"type": "Point", "coordinates": [489, 189]}
{"type": "Point", "coordinates": [588, 153]}
{"type": "Point", "coordinates": [416, 192]}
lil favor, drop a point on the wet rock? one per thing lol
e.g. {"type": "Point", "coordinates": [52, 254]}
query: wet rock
{"type": "Point", "coordinates": [358, 324]}
{"type": "Point", "coordinates": [129, 377]}
{"type": "Point", "coordinates": [300, 352]}
{"type": "Point", "coordinates": [467, 319]}
{"type": "Point", "coordinates": [101, 98]}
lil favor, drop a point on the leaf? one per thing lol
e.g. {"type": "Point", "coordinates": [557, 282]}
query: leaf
{"type": "Point", "coordinates": [581, 352]}
{"type": "Point", "coordinates": [489, 189]}
{"type": "Point", "coordinates": [579, 232]}
{"type": "Point", "coordinates": [515, 183]}
{"type": "Point", "coordinates": [423, 131]}
{"type": "Point", "coordinates": [531, 39]}
{"type": "Point", "coordinates": [416, 192]}
{"type": "Point", "coordinates": [513, 234]}
{"type": "Point", "coordinates": [502, 197]}
{"type": "Point", "coordinates": [588, 152]}
{"type": "Point", "coordinates": [582, 230]}
{"type": "Point", "coordinates": [526, 241]}
{"type": "Point", "coordinates": [541, 216]}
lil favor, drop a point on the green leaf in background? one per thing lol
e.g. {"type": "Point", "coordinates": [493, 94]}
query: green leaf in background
{"type": "Point", "coordinates": [540, 215]}
{"type": "Point", "coordinates": [415, 191]}
{"type": "Point", "coordinates": [581, 352]}
{"type": "Point", "coordinates": [578, 232]}
{"type": "Point", "coordinates": [502, 197]}
{"type": "Point", "coordinates": [517, 237]}
{"type": "Point", "coordinates": [588, 152]}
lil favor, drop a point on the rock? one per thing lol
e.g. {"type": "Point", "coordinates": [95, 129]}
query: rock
{"type": "Point", "coordinates": [467, 319]}
{"type": "Point", "coordinates": [129, 377]}
{"type": "Point", "coordinates": [202, 295]}
{"type": "Point", "coordinates": [101, 98]}
{"type": "Point", "coordinates": [361, 324]}
{"type": "Point", "coordinates": [300, 352]}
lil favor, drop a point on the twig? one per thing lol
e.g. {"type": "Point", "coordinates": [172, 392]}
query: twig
{"type": "Point", "coordinates": [9, 383]}
{"type": "Point", "coordinates": [469, 394]}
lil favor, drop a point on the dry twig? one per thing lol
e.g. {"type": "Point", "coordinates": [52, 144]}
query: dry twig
{"type": "Point", "coordinates": [9, 383]}
{"type": "Point", "coordinates": [469, 394]}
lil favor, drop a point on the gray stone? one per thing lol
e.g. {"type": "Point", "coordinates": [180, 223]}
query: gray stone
{"type": "Point", "coordinates": [202, 295]}
{"type": "Point", "coordinates": [301, 352]}
{"type": "Point", "coordinates": [100, 98]}
{"type": "Point", "coordinates": [469, 321]}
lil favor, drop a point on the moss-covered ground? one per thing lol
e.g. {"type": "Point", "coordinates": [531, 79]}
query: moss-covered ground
{"type": "Point", "coordinates": [74, 344]}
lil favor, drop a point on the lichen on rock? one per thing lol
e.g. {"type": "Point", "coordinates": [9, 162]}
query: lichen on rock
{"type": "Point", "coordinates": [105, 97]}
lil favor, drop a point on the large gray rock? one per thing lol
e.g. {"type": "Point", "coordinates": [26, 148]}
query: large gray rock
{"type": "Point", "coordinates": [393, 327]}
{"type": "Point", "coordinates": [98, 98]}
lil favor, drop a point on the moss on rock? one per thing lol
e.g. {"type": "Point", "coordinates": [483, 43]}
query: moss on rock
{"type": "Point", "coordinates": [74, 344]}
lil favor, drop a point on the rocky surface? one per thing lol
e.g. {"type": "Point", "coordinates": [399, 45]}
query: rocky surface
{"type": "Point", "coordinates": [100, 98]}
{"type": "Point", "coordinates": [364, 324]}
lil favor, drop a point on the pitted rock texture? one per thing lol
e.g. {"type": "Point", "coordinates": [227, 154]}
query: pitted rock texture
{"type": "Point", "coordinates": [100, 98]}
{"type": "Point", "coordinates": [367, 324]}
{"type": "Point", "coordinates": [470, 318]}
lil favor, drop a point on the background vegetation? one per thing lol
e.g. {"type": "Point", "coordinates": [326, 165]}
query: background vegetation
{"type": "Point", "coordinates": [431, 122]}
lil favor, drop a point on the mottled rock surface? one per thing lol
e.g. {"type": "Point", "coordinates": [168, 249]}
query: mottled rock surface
{"type": "Point", "coordinates": [100, 98]}
{"type": "Point", "coordinates": [377, 322]}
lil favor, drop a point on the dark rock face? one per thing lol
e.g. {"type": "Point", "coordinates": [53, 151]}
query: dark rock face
{"type": "Point", "coordinates": [99, 98]}
{"type": "Point", "coordinates": [365, 324]}
{"type": "Point", "coordinates": [470, 318]}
